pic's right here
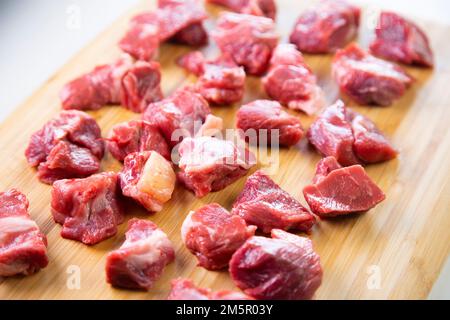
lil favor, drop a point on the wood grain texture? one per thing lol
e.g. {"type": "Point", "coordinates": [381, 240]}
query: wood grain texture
{"type": "Point", "coordinates": [406, 237]}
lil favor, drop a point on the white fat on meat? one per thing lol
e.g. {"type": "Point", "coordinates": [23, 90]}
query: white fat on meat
{"type": "Point", "coordinates": [10, 226]}
{"type": "Point", "coordinates": [212, 126]}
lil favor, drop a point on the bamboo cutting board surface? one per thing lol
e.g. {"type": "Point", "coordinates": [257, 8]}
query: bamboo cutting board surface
{"type": "Point", "coordinates": [394, 251]}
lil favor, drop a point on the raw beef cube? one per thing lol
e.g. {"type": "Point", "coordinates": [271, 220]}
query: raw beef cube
{"type": "Point", "coordinates": [67, 146]}
{"type": "Point", "coordinates": [401, 40]}
{"type": "Point", "coordinates": [221, 81]}
{"type": "Point", "coordinates": [324, 167]}
{"type": "Point", "coordinates": [182, 21]}
{"type": "Point", "coordinates": [23, 247]}
{"type": "Point", "coordinates": [282, 268]}
{"type": "Point", "coordinates": [141, 259]}
{"type": "Point", "coordinates": [179, 116]}
{"type": "Point", "coordinates": [265, 8]}
{"type": "Point", "coordinates": [134, 136]}
{"type": "Point", "coordinates": [367, 79]}
{"type": "Point", "coordinates": [213, 234]}
{"type": "Point", "coordinates": [291, 82]}
{"type": "Point", "coordinates": [349, 137]}
{"type": "Point", "coordinates": [264, 204]}
{"type": "Point", "coordinates": [248, 39]}
{"type": "Point", "coordinates": [262, 120]}
{"type": "Point", "coordinates": [343, 191]}
{"type": "Point", "coordinates": [132, 84]}
{"type": "Point", "coordinates": [148, 178]}
{"type": "Point", "coordinates": [209, 164]}
{"type": "Point", "coordinates": [88, 209]}
{"type": "Point", "coordinates": [183, 289]}
{"type": "Point", "coordinates": [328, 26]}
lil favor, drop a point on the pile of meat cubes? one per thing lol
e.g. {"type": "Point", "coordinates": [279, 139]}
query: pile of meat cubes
{"type": "Point", "coordinates": [176, 142]}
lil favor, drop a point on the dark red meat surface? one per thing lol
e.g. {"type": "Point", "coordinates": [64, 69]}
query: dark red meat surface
{"type": "Point", "coordinates": [181, 115]}
{"type": "Point", "coordinates": [248, 39]}
{"type": "Point", "coordinates": [131, 84]}
{"type": "Point", "coordinates": [184, 289]}
{"type": "Point", "coordinates": [209, 164]}
{"type": "Point", "coordinates": [325, 27]}
{"type": "Point", "coordinates": [213, 234]}
{"type": "Point", "coordinates": [23, 247]}
{"type": "Point", "coordinates": [141, 259]}
{"type": "Point", "coordinates": [367, 79]}
{"type": "Point", "coordinates": [264, 204]}
{"type": "Point", "coordinates": [88, 209]}
{"type": "Point", "coordinates": [148, 178]}
{"type": "Point", "coordinates": [342, 191]}
{"type": "Point", "coordinates": [68, 146]}
{"type": "Point", "coordinates": [220, 81]}
{"type": "Point", "coordinates": [262, 120]}
{"type": "Point", "coordinates": [349, 137]}
{"type": "Point", "coordinates": [291, 82]}
{"type": "Point", "coordinates": [284, 267]}
{"type": "Point", "coordinates": [133, 136]}
{"type": "Point", "coordinates": [265, 8]}
{"type": "Point", "coordinates": [401, 40]}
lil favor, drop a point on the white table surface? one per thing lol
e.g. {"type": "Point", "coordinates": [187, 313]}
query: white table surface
{"type": "Point", "coordinates": [38, 37]}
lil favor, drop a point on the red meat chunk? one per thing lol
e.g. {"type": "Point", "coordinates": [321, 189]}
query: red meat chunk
{"type": "Point", "coordinates": [329, 25]}
{"type": "Point", "coordinates": [68, 146]}
{"type": "Point", "coordinates": [291, 82]}
{"type": "Point", "coordinates": [141, 259]}
{"type": "Point", "coordinates": [264, 204]}
{"type": "Point", "coordinates": [282, 268]}
{"type": "Point", "coordinates": [367, 79]}
{"type": "Point", "coordinates": [88, 209]}
{"type": "Point", "coordinates": [265, 8]}
{"type": "Point", "coordinates": [213, 234]}
{"type": "Point", "coordinates": [148, 178]}
{"type": "Point", "coordinates": [220, 81]}
{"type": "Point", "coordinates": [342, 191]}
{"type": "Point", "coordinates": [134, 136]}
{"type": "Point", "coordinates": [183, 289]}
{"type": "Point", "coordinates": [349, 137]}
{"type": "Point", "coordinates": [324, 167]}
{"type": "Point", "coordinates": [181, 115]}
{"type": "Point", "coordinates": [209, 164]}
{"type": "Point", "coordinates": [131, 84]}
{"type": "Point", "coordinates": [248, 39]}
{"type": "Point", "coordinates": [401, 40]}
{"type": "Point", "coordinates": [262, 120]}
{"type": "Point", "coordinates": [23, 247]}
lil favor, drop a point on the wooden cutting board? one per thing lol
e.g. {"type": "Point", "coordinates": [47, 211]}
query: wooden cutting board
{"type": "Point", "coordinates": [394, 251]}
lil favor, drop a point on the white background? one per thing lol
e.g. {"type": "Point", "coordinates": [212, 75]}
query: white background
{"type": "Point", "coordinates": [35, 42]}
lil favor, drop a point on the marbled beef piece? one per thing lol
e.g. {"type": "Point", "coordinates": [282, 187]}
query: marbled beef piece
{"type": "Point", "coordinates": [184, 289]}
{"type": "Point", "coordinates": [209, 164]}
{"type": "Point", "coordinates": [284, 267]}
{"type": "Point", "coordinates": [148, 178]}
{"type": "Point", "coordinates": [341, 191]}
{"type": "Point", "coordinates": [88, 209]}
{"type": "Point", "coordinates": [349, 137]}
{"type": "Point", "coordinates": [178, 116]}
{"type": "Point", "coordinates": [291, 82]}
{"type": "Point", "coordinates": [248, 39]}
{"type": "Point", "coordinates": [266, 8]}
{"type": "Point", "coordinates": [23, 247]}
{"type": "Point", "coordinates": [262, 120]}
{"type": "Point", "coordinates": [264, 204]}
{"type": "Point", "coordinates": [68, 146]}
{"type": "Point", "coordinates": [131, 84]}
{"type": "Point", "coordinates": [367, 79]}
{"type": "Point", "coordinates": [141, 259]}
{"type": "Point", "coordinates": [325, 27]}
{"type": "Point", "coordinates": [220, 81]}
{"type": "Point", "coordinates": [401, 40]}
{"type": "Point", "coordinates": [213, 234]}
{"type": "Point", "coordinates": [134, 136]}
